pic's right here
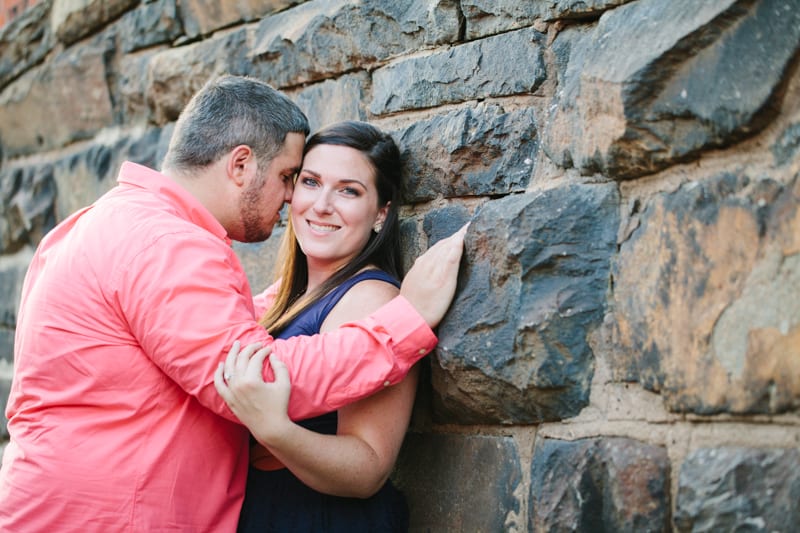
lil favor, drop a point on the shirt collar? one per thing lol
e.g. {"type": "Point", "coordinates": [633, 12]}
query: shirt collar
{"type": "Point", "coordinates": [189, 207]}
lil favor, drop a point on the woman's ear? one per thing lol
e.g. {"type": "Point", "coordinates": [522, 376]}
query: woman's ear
{"type": "Point", "coordinates": [382, 213]}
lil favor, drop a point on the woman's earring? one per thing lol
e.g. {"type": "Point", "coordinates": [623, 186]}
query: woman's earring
{"type": "Point", "coordinates": [377, 227]}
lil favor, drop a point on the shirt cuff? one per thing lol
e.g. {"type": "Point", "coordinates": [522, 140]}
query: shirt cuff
{"type": "Point", "coordinates": [412, 336]}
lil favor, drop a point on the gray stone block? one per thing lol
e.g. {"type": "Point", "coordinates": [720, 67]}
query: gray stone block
{"type": "Point", "coordinates": [25, 41]}
{"type": "Point", "coordinates": [200, 17]}
{"type": "Point", "coordinates": [317, 40]}
{"type": "Point", "coordinates": [471, 152]}
{"type": "Point", "coordinates": [150, 24]}
{"type": "Point", "coordinates": [459, 482]}
{"type": "Point", "coordinates": [596, 485]}
{"type": "Point", "coordinates": [514, 347]}
{"type": "Point", "coordinates": [700, 76]}
{"type": "Point", "coordinates": [176, 74]}
{"type": "Point", "coordinates": [334, 100]}
{"type": "Point", "coordinates": [73, 20]}
{"type": "Point", "coordinates": [503, 65]}
{"type": "Point", "coordinates": [739, 489]}
{"type": "Point", "coordinates": [27, 211]}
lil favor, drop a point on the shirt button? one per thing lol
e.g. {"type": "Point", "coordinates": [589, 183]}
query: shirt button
{"type": "Point", "coordinates": [387, 383]}
{"type": "Point", "coordinates": [422, 351]}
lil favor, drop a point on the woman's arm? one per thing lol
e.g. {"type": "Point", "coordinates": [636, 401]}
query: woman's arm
{"type": "Point", "coordinates": [358, 460]}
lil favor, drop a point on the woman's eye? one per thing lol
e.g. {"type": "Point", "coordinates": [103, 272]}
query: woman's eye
{"type": "Point", "coordinates": [309, 182]}
{"type": "Point", "coordinates": [350, 191]}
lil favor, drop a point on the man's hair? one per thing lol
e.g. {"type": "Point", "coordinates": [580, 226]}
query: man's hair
{"type": "Point", "coordinates": [227, 112]}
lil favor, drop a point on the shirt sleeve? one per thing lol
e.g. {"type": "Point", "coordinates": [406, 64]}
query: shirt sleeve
{"type": "Point", "coordinates": [187, 300]}
{"type": "Point", "coordinates": [264, 300]}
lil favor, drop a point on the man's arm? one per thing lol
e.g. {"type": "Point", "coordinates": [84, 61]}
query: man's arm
{"type": "Point", "coordinates": [188, 310]}
{"type": "Point", "coordinates": [380, 349]}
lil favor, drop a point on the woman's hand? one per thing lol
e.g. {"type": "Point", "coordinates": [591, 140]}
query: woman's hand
{"type": "Point", "coordinates": [260, 406]}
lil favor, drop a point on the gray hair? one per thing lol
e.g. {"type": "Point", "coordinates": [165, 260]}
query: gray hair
{"type": "Point", "coordinates": [227, 112]}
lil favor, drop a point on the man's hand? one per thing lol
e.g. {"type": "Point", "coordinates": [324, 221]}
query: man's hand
{"type": "Point", "coordinates": [431, 283]}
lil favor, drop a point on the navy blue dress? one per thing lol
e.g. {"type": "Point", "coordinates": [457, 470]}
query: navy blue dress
{"type": "Point", "coordinates": [277, 501]}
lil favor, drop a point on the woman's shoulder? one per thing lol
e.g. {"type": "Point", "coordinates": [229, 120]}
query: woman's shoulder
{"type": "Point", "coordinates": [368, 290]}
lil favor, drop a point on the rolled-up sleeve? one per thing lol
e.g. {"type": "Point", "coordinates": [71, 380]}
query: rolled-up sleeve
{"type": "Point", "coordinates": [340, 366]}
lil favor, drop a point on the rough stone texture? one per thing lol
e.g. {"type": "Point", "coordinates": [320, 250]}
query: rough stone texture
{"type": "Point", "coordinates": [470, 152]}
{"type": "Point", "coordinates": [85, 175]}
{"type": "Point", "coordinates": [787, 148]}
{"type": "Point", "coordinates": [701, 75]}
{"type": "Point", "coordinates": [459, 482]}
{"type": "Point", "coordinates": [129, 82]}
{"type": "Point", "coordinates": [24, 42]}
{"type": "Point", "coordinates": [513, 348]}
{"type": "Point", "coordinates": [507, 112]}
{"type": "Point", "coordinates": [706, 296]}
{"type": "Point", "coordinates": [479, 69]}
{"type": "Point", "coordinates": [56, 103]}
{"type": "Point", "coordinates": [603, 484]}
{"type": "Point", "coordinates": [150, 24]}
{"type": "Point", "coordinates": [201, 17]}
{"type": "Point", "coordinates": [5, 390]}
{"type": "Point", "coordinates": [175, 74]}
{"type": "Point", "coordinates": [577, 9]}
{"type": "Point", "coordinates": [27, 211]}
{"type": "Point", "coordinates": [12, 273]}
{"type": "Point", "coordinates": [334, 100]}
{"type": "Point", "coordinates": [488, 17]}
{"type": "Point", "coordinates": [72, 20]}
{"type": "Point", "coordinates": [258, 259]}
{"type": "Point", "coordinates": [739, 489]}
{"type": "Point", "coordinates": [319, 39]}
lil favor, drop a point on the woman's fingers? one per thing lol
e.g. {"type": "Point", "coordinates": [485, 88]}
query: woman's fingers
{"type": "Point", "coordinates": [238, 359]}
{"type": "Point", "coordinates": [255, 366]}
{"type": "Point", "coordinates": [220, 383]}
{"type": "Point", "coordinates": [230, 361]}
{"type": "Point", "coordinates": [281, 372]}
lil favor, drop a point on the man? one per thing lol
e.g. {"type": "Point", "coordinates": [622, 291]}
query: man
{"type": "Point", "coordinates": [129, 306]}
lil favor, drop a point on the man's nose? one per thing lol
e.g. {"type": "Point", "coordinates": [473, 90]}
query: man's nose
{"type": "Point", "coordinates": [287, 195]}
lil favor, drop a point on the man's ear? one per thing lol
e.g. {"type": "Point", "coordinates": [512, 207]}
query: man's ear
{"type": "Point", "coordinates": [241, 163]}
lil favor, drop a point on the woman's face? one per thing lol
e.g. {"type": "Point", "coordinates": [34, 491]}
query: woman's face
{"type": "Point", "coordinates": [334, 205]}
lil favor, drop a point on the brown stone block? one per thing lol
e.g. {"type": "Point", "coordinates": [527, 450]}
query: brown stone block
{"type": "Point", "coordinates": [706, 294]}
{"type": "Point", "coordinates": [58, 103]}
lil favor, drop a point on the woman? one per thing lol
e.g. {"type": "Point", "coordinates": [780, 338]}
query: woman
{"type": "Point", "coordinates": [339, 262]}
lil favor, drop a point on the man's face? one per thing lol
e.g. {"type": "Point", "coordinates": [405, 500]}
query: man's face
{"type": "Point", "coordinates": [263, 197]}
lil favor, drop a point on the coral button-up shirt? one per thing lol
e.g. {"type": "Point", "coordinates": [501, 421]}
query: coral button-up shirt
{"type": "Point", "coordinates": [127, 308]}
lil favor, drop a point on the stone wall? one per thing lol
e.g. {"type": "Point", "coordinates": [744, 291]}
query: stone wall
{"type": "Point", "coordinates": [624, 350]}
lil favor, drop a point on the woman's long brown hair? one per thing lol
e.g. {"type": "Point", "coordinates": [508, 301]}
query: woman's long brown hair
{"type": "Point", "coordinates": [382, 249]}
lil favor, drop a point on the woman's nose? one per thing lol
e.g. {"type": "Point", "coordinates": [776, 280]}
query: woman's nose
{"type": "Point", "coordinates": [322, 204]}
